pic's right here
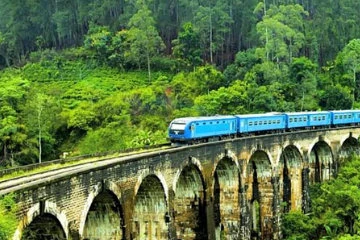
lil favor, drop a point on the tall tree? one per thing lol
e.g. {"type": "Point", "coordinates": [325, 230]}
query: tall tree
{"type": "Point", "coordinates": [12, 130]}
{"type": "Point", "coordinates": [187, 45]}
{"type": "Point", "coordinates": [41, 116]}
{"type": "Point", "coordinates": [282, 31]}
{"type": "Point", "coordinates": [212, 23]}
{"type": "Point", "coordinates": [349, 58]}
{"type": "Point", "coordinates": [143, 39]}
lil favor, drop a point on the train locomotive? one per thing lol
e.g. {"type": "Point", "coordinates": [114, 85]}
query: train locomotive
{"type": "Point", "coordinates": [191, 130]}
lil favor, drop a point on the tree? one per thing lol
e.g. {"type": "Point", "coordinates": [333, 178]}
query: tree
{"type": "Point", "coordinates": [143, 39]}
{"type": "Point", "coordinates": [281, 31]}
{"type": "Point", "coordinates": [303, 84]}
{"type": "Point", "coordinates": [12, 131]}
{"type": "Point", "coordinates": [212, 23]}
{"type": "Point", "coordinates": [187, 45]}
{"type": "Point", "coordinates": [41, 116]}
{"type": "Point", "coordinates": [336, 98]}
{"type": "Point", "coordinates": [99, 40]}
{"type": "Point", "coordinates": [349, 58]}
{"type": "Point", "coordinates": [231, 100]}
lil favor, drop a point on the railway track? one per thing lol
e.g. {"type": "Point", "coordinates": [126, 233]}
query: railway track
{"type": "Point", "coordinates": [32, 175]}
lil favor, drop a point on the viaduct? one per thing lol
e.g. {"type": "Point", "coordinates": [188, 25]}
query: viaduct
{"type": "Point", "coordinates": [233, 189]}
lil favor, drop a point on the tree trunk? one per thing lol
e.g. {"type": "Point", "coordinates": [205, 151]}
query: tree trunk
{"type": "Point", "coordinates": [4, 152]}
{"type": "Point", "coordinates": [148, 66]}
{"type": "Point", "coordinates": [210, 38]}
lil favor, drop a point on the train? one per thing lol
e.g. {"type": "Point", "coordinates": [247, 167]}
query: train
{"type": "Point", "coordinates": [192, 130]}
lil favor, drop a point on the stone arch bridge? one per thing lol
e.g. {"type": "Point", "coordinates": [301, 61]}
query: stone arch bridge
{"type": "Point", "coordinates": [222, 190]}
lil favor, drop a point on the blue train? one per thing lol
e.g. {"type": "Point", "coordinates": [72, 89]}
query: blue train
{"type": "Point", "coordinates": [191, 130]}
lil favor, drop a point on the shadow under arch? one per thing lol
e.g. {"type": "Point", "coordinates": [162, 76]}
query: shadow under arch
{"type": "Point", "coordinates": [189, 204]}
{"type": "Point", "coordinates": [321, 163]}
{"type": "Point", "coordinates": [150, 215]}
{"type": "Point", "coordinates": [291, 167]}
{"type": "Point", "coordinates": [104, 218]}
{"type": "Point", "coordinates": [43, 211]}
{"type": "Point", "coordinates": [227, 199]}
{"type": "Point", "coordinates": [259, 194]}
{"type": "Point", "coordinates": [44, 227]}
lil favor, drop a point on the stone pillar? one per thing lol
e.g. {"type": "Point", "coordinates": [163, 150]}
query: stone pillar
{"type": "Point", "coordinates": [296, 188]}
{"type": "Point", "coordinates": [266, 207]}
{"type": "Point", "coordinates": [245, 220]}
{"type": "Point", "coordinates": [209, 209]}
{"type": "Point", "coordinates": [276, 224]}
{"type": "Point", "coordinates": [170, 216]}
{"type": "Point", "coordinates": [305, 190]}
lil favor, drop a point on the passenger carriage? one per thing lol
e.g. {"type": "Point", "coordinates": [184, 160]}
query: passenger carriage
{"type": "Point", "coordinates": [307, 119]}
{"type": "Point", "coordinates": [319, 119]}
{"type": "Point", "coordinates": [266, 122]}
{"type": "Point", "coordinates": [297, 120]}
{"type": "Point", "coordinates": [343, 117]}
{"type": "Point", "coordinates": [202, 129]}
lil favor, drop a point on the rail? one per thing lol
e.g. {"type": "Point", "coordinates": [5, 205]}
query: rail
{"type": "Point", "coordinates": [64, 161]}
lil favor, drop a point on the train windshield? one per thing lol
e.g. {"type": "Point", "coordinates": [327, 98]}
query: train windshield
{"type": "Point", "coordinates": [178, 126]}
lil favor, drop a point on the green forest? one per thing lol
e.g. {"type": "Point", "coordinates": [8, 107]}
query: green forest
{"type": "Point", "coordinates": [335, 207]}
{"type": "Point", "coordinates": [82, 77]}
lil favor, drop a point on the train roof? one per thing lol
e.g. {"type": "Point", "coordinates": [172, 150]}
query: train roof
{"type": "Point", "coordinates": [271, 114]}
{"type": "Point", "coordinates": [351, 111]}
{"type": "Point", "coordinates": [202, 118]}
{"type": "Point", "coordinates": [306, 113]}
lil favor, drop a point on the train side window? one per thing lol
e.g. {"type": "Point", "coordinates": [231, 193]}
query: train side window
{"type": "Point", "coordinates": [349, 116]}
{"type": "Point", "coordinates": [336, 116]}
{"type": "Point", "coordinates": [197, 124]}
{"type": "Point", "coordinates": [304, 119]}
{"type": "Point", "coordinates": [341, 117]}
{"type": "Point", "coordinates": [223, 121]}
{"type": "Point", "coordinates": [256, 123]}
{"type": "Point", "coordinates": [278, 121]}
{"type": "Point", "coordinates": [204, 123]}
{"type": "Point", "coordinates": [323, 117]}
{"type": "Point", "coordinates": [265, 122]}
{"type": "Point", "coordinates": [295, 119]}
{"type": "Point", "coordinates": [250, 123]}
{"type": "Point", "coordinates": [260, 122]}
{"type": "Point", "coordinates": [291, 120]}
{"type": "Point", "coordinates": [210, 122]}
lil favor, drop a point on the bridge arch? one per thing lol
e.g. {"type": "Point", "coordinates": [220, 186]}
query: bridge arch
{"type": "Point", "coordinates": [150, 213]}
{"type": "Point", "coordinates": [348, 145]}
{"type": "Point", "coordinates": [93, 192]}
{"type": "Point", "coordinates": [189, 203]}
{"type": "Point", "coordinates": [102, 216]}
{"type": "Point", "coordinates": [43, 218]}
{"type": "Point", "coordinates": [321, 162]}
{"type": "Point", "coordinates": [291, 181]}
{"type": "Point", "coordinates": [260, 194]}
{"type": "Point", "coordinates": [226, 195]}
{"type": "Point", "coordinates": [160, 178]}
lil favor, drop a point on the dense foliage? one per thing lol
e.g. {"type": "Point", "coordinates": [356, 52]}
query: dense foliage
{"type": "Point", "coordinates": [335, 209]}
{"type": "Point", "coordinates": [8, 221]}
{"type": "Point", "coordinates": [94, 76]}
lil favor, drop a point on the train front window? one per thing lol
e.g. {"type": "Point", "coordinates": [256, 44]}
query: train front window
{"type": "Point", "coordinates": [178, 126]}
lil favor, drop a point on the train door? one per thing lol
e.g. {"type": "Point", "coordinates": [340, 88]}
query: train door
{"type": "Point", "coordinates": [192, 130]}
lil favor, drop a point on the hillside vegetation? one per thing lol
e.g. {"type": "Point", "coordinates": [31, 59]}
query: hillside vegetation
{"type": "Point", "coordinates": [335, 209]}
{"type": "Point", "coordinates": [94, 76]}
